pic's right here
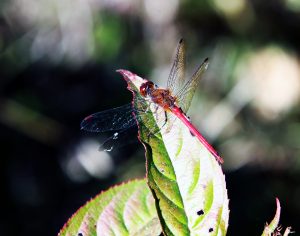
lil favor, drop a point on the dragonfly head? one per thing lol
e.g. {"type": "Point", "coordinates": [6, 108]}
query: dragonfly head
{"type": "Point", "coordinates": [146, 88]}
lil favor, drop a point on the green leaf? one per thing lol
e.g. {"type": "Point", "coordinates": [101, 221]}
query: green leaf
{"type": "Point", "coordinates": [185, 179]}
{"type": "Point", "coordinates": [127, 209]}
{"type": "Point", "coordinates": [273, 228]}
{"type": "Point", "coordinates": [270, 228]}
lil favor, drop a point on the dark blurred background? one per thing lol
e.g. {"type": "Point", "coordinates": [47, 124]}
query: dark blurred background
{"type": "Point", "coordinates": [57, 65]}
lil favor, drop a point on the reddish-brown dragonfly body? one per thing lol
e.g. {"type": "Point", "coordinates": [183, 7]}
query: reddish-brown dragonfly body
{"type": "Point", "coordinates": [176, 99]}
{"type": "Point", "coordinates": [159, 96]}
{"type": "Point", "coordinates": [164, 99]}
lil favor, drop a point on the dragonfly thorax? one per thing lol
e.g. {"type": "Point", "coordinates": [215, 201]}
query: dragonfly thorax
{"type": "Point", "coordinates": [162, 97]}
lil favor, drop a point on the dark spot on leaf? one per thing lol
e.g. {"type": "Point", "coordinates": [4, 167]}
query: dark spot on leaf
{"type": "Point", "coordinates": [210, 230]}
{"type": "Point", "coordinates": [199, 213]}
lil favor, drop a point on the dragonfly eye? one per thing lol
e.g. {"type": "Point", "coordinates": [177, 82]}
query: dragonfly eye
{"type": "Point", "coordinates": [146, 88]}
{"type": "Point", "coordinates": [143, 89]}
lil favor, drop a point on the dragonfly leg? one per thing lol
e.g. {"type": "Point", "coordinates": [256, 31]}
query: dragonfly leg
{"type": "Point", "coordinates": [166, 119]}
{"type": "Point", "coordinates": [165, 122]}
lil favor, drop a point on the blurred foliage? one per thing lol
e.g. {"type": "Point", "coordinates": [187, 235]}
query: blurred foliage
{"type": "Point", "coordinates": [109, 31]}
{"type": "Point", "coordinates": [57, 63]}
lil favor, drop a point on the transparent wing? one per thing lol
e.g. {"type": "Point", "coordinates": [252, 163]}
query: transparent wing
{"type": "Point", "coordinates": [118, 118]}
{"type": "Point", "coordinates": [120, 139]}
{"type": "Point", "coordinates": [186, 94]}
{"type": "Point", "coordinates": [177, 75]}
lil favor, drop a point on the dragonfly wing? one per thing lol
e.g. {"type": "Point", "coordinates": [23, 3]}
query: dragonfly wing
{"type": "Point", "coordinates": [123, 138]}
{"type": "Point", "coordinates": [186, 94]}
{"type": "Point", "coordinates": [177, 75]}
{"type": "Point", "coordinates": [118, 118]}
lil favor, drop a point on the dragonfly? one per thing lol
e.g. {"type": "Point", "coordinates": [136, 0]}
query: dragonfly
{"type": "Point", "coordinates": [176, 98]}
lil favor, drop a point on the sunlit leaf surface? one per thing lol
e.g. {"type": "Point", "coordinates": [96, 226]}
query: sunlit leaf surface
{"type": "Point", "coordinates": [127, 209]}
{"type": "Point", "coordinates": [186, 181]}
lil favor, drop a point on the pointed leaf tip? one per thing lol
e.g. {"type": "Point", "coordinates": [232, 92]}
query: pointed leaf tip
{"type": "Point", "coordinates": [121, 71]}
{"type": "Point", "coordinates": [273, 229]}
{"type": "Point", "coordinates": [127, 75]}
{"type": "Point", "coordinates": [125, 72]}
{"type": "Point", "coordinates": [270, 228]}
{"type": "Point", "coordinates": [205, 63]}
